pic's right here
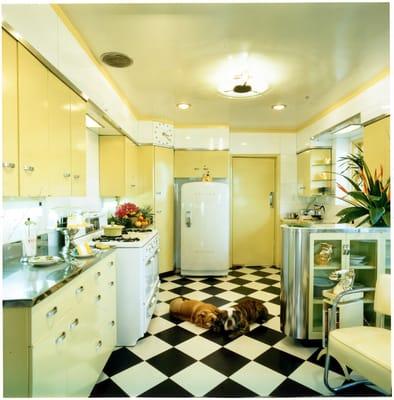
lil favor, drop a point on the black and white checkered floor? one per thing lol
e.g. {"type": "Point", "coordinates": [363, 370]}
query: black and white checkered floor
{"type": "Point", "coordinates": [179, 359]}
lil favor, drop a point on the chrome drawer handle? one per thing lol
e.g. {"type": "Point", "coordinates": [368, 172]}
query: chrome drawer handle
{"type": "Point", "coordinates": [111, 263]}
{"type": "Point", "coordinates": [79, 290]}
{"type": "Point", "coordinates": [112, 323]}
{"type": "Point", "coordinates": [133, 186]}
{"type": "Point", "coordinates": [76, 176]}
{"type": "Point", "coordinates": [52, 312]}
{"type": "Point", "coordinates": [8, 165]}
{"type": "Point", "coordinates": [196, 169]}
{"type": "Point", "coordinates": [66, 174]}
{"type": "Point", "coordinates": [98, 274]}
{"type": "Point", "coordinates": [112, 283]}
{"type": "Point", "coordinates": [98, 297]}
{"type": "Point", "coordinates": [99, 344]}
{"type": "Point", "coordinates": [74, 324]}
{"type": "Point", "coordinates": [28, 168]}
{"type": "Point", "coordinates": [61, 338]}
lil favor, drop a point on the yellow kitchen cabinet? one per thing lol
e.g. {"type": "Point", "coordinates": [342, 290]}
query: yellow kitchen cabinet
{"type": "Point", "coordinates": [33, 125]}
{"type": "Point", "coordinates": [195, 163]}
{"type": "Point", "coordinates": [314, 175]}
{"type": "Point", "coordinates": [118, 167]}
{"type": "Point", "coordinates": [78, 144]}
{"type": "Point", "coordinates": [377, 146]}
{"type": "Point", "coordinates": [10, 117]}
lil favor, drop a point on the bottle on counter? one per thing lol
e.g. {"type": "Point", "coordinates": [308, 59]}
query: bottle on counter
{"type": "Point", "coordinates": [29, 242]}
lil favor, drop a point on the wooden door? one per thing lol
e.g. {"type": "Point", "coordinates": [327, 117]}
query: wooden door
{"type": "Point", "coordinates": [253, 215]}
{"type": "Point", "coordinates": [164, 206]}
{"type": "Point", "coordinates": [33, 125]}
{"type": "Point", "coordinates": [10, 117]}
{"type": "Point", "coordinates": [78, 144]}
{"type": "Point", "coordinates": [59, 155]}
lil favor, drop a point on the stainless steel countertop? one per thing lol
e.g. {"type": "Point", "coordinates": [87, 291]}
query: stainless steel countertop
{"type": "Point", "coordinates": [322, 227]}
{"type": "Point", "coordinates": [25, 285]}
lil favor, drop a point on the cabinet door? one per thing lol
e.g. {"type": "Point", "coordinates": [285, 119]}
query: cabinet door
{"type": "Point", "coordinates": [10, 117]}
{"type": "Point", "coordinates": [78, 144]}
{"type": "Point", "coordinates": [146, 176]}
{"type": "Point", "coordinates": [112, 166]}
{"type": "Point", "coordinates": [131, 168]}
{"type": "Point", "coordinates": [164, 206]}
{"type": "Point", "coordinates": [33, 125]}
{"type": "Point", "coordinates": [303, 173]}
{"type": "Point", "coordinates": [216, 163]}
{"type": "Point", "coordinates": [187, 163]}
{"type": "Point", "coordinates": [59, 155]}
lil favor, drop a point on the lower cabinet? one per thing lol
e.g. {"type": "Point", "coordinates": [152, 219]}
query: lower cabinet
{"type": "Point", "coordinates": [65, 348]}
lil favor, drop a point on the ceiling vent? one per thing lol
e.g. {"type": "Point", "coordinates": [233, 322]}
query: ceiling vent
{"type": "Point", "coordinates": [117, 60]}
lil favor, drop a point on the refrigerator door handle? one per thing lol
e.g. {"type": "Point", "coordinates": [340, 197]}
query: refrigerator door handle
{"type": "Point", "coordinates": [188, 218]}
{"type": "Point", "coordinates": [271, 199]}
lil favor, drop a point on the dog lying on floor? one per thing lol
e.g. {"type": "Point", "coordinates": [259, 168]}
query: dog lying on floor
{"type": "Point", "coordinates": [236, 320]}
{"type": "Point", "coordinates": [195, 311]}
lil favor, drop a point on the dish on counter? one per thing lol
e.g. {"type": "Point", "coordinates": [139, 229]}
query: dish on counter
{"type": "Point", "coordinates": [44, 260]}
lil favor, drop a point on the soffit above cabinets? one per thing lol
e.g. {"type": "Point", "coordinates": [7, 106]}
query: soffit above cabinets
{"type": "Point", "coordinates": [313, 54]}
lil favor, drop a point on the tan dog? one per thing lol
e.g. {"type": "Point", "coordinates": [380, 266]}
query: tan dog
{"type": "Point", "coordinates": [201, 314]}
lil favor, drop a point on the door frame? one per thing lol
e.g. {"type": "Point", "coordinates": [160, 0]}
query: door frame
{"type": "Point", "coordinates": [277, 234]}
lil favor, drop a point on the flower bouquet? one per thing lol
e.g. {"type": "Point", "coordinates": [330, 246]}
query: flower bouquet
{"type": "Point", "coordinates": [132, 216]}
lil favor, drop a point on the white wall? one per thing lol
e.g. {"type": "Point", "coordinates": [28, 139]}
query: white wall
{"type": "Point", "coordinates": [217, 138]}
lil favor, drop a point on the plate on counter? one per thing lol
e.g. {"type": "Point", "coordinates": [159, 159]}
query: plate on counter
{"type": "Point", "coordinates": [76, 255]}
{"type": "Point", "coordinates": [44, 260]}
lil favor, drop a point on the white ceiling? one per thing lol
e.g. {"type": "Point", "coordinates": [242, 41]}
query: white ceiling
{"type": "Point", "coordinates": [321, 50]}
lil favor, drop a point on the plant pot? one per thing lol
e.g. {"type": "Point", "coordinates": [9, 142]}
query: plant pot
{"type": "Point", "coordinates": [113, 230]}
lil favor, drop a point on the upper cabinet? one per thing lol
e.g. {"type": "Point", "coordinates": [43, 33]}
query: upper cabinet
{"type": "Point", "coordinates": [10, 117]}
{"type": "Point", "coordinates": [377, 145]}
{"type": "Point", "coordinates": [33, 125]}
{"type": "Point", "coordinates": [196, 163]}
{"type": "Point", "coordinates": [118, 167]}
{"type": "Point", "coordinates": [44, 136]}
{"type": "Point", "coordinates": [314, 175]}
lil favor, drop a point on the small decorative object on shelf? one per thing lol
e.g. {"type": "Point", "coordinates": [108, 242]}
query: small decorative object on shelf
{"type": "Point", "coordinates": [369, 196]}
{"type": "Point", "coordinates": [324, 255]}
{"type": "Point", "coordinates": [132, 216]}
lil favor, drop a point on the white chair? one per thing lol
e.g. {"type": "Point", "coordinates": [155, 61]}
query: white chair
{"type": "Point", "coordinates": [365, 349]}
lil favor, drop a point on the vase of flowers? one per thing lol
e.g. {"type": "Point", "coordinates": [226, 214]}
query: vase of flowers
{"type": "Point", "coordinates": [132, 216]}
{"type": "Point", "coordinates": [369, 195]}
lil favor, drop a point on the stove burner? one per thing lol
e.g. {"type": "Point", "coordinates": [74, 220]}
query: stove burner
{"type": "Point", "coordinates": [137, 230]}
{"type": "Point", "coordinates": [104, 238]}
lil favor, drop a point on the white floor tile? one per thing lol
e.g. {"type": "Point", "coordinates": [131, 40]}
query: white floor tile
{"type": "Point", "coordinates": [271, 270]}
{"type": "Point", "coordinates": [265, 296]}
{"type": "Point", "coordinates": [230, 296]}
{"type": "Point", "coordinates": [198, 347]}
{"type": "Point", "coordinates": [245, 270]}
{"type": "Point", "coordinates": [256, 285]}
{"type": "Point", "coordinates": [273, 323]}
{"type": "Point", "coordinates": [198, 379]}
{"type": "Point", "coordinates": [226, 286]}
{"type": "Point", "coordinates": [273, 309]}
{"type": "Point", "coordinates": [276, 285]}
{"type": "Point", "coordinates": [172, 278]}
{"type": "Point", "coordinates": [102, 377]}
{"type": "Point", "coordinates": [138, 379]}
{"type": "Point", "coordinates": [251, 277]}
{"type": "Point", "coordinates": [192, 328]}
{"type": "Point", "coordinates": [162, 308]}
{"type": "Point", "coordinates": [165, 296]}
{"type": "Point", "coordinates": [247, 347]}
{"type": "Point", "coordinates": [197, 295]}
{"type": "Point", "coordinates": [158, 324]}
{"type": "Point", "coordinates": [311, 375]}
{"type": "Point", "coordinates": [258, 378]}
{"type": "Point", "coordinates": [168, 285]}
{"type": "Point", "coordinates": [197, 285]}
{"type": "Point", "coordinates": [149, 347]}
{"type": "Point", "coordinates": [275, 277]}
{"type": "Point", "coordinates": [290, 346]}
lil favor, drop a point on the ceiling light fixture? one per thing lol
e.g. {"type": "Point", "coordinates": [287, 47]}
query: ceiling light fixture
{"type": "Point", "coordinates": [115, 59]}
{"type": "Point", "coordinates": [278, 107]}
{"type": "Point", "coordinates": [183, 106]}
{"type": "Point", "coordinates": [91, 123]}
{"type": "Point", "coordinates": [347, 129]}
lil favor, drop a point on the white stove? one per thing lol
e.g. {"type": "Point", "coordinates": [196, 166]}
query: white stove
{"type": "Point", "coordinates": [137, 282]}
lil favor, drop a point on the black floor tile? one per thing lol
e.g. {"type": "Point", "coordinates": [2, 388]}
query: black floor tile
{"type": "Point", "coordinates": [229, 388]}
{"type": "Point", "coordinates": [168, 388]}
{"type": "Point", "coordinates": [239, 281]}
{"type": "Point", "coordinates": [182, 290]}
{"type": "Point", "coordinates": [219, 338]}
{"type": "Point", "coordinates": [225, 361]}
{"type": "Point", "coordinates": [183, 281]}
{"type": "Point", "coordinates": [266, 335]}
{"type": "Point", "coordinates": [212, 290]}
{"type": "Point", "coordinates": [217, 301]}
{"type": "Point", "coordinates": [279, 361]}
{"type": "Point", "coordinates": [171, 361]}
{"type": "Point", "coordinates": [236, 273]}
{"type": "Point", "coordinates": [334, 365]}
{"type": "Point", "coordinates": [275, 300]}
{"type": "Point", "coordinates": [107, 388]}
{"type": "Point", "coordinates": [172, 319]}
{"type": "Point", "coordinates": [272, 289]}
{"type": "Point", "coordinates": [120, 360]}
{"type": "Point", "coordinates": [290, 388]}
{"type": "Point", "coordinates": [244, 290]}
{"type": "Point", "coordinates": [267, 281]}
{"type": "Point", "coordinates": [211, 281]}
{"type": "Point", "coordinates": [174, 335]}
{"type": "Point", "coordinates": [261, 273]}
{"type": "Point", "coordinates": [258, 267]}
{"type": "Point", "coordinates": [360, 391]}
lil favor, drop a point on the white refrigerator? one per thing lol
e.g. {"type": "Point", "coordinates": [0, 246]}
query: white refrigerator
{"type": "Point", "coordinates": [205, 229]}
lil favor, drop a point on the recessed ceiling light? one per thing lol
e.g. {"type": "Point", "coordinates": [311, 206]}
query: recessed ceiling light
{"type": "Point", "coordinates": [244, 144]}
{"type": "Point", "coordinates": [187, 137]}
{"type": "Point", "coordinates": [183, 106]}
{"type": "Point", "coordinates": [91, 123]}
{"type": "Point", "coordinates": [347, 129]}
{"type": "Point", "coordinates": [278, 107]}
{"type": "Point", "coordinates": [115, 59]}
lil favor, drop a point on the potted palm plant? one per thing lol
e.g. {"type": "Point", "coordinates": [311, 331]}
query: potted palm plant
{"type": "Point", "coordinates": [369, 196]}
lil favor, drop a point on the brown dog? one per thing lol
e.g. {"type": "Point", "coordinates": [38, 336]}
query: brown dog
{"type": "Point", "coordinates": [201, 314]}
{"type": "Point", "coordinates": [235, 320]}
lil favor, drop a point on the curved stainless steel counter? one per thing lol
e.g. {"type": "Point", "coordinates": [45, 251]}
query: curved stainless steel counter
{"type": "Point", "coordinates": [25, 285]}
{"type": "Point", "coordinates": [294, 301]}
